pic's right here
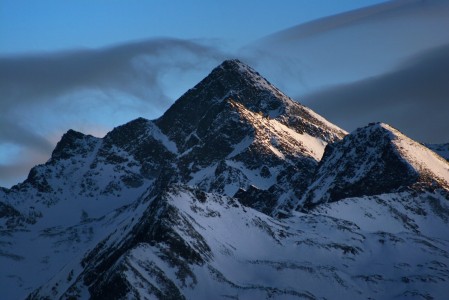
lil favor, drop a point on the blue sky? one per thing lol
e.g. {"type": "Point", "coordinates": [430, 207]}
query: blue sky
{"type": "Point", "coordinates": [93, 65]}
{"type": "Point", "coordinates": [52, 25]}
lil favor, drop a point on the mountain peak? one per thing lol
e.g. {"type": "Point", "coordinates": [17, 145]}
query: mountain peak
{"type": "Point", "coordinates": [372, 160]}
{"type": "Point", "coordinates": [235, 71]}
{"type": "Point", "coordinates": [238, 68]}
{"type": "Point", "coordinates": [420, 158]}
{"type": "Point", "coordinates": [232, 64]}
{"type": "Point", "coordinates": [68, 142]}
{"type": "Point", "coordinates": [234, 80]}
{"type": "Point", "coordinates": [379, 128]}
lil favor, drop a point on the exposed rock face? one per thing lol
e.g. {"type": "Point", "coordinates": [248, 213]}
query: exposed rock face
{"type": "Point", "coordinates": [234, 123]}
{"type": "Point", "coordinates": [197, 108]}
{"type": "Point", "coordinates": [374, 160]}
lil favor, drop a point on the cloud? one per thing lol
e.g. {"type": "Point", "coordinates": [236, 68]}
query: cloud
{"type": "Point", "coordinates": [14, 171]}
{"type": "Point", "coordinates": [414, 97]}
{"type": "Point", "coordinates": [134, 68]}
{"type": "Point", "coordinates": [10, 174]}
{"type": "Point", "coordinates": [13, 132]}
{"type": "Point", "coordinates": [349, 46]}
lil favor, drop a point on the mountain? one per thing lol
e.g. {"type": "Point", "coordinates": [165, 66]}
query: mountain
{"type": "Point", "coordinates": [235, 130]}
{"type": "Point", "coordinates": [373, 160]}
{"type": "Point", "coordinates": [187, 244]}
{"type": "Point", "coordinates": [237, 81]}
{"type": "Point", "coordinates": [232, 131]}
{"type": "Point", "coordinates": [382, 179]}
{"type": "Point", "coordinates": [229, 195]}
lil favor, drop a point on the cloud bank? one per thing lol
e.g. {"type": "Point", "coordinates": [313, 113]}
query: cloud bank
{"type": "Point", "coordinates": [134, 67]}
{"type": "Point", "coordinates": [350, 46]}
{"type": "Point", "coordinates": [414, 97]}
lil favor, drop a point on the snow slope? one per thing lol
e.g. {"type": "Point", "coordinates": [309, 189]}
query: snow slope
{"type": "Point", "coordinates": [213, 247]}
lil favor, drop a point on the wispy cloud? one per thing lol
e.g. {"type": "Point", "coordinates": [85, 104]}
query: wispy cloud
{"type": "Point", "coordinates": [12, 132]}
{"type": "Point", "coordinates": [413, 97]}
{"type": "Point", "coordinates": [133, 68]}
{"type": "Point", "coordinates": [351, 45]}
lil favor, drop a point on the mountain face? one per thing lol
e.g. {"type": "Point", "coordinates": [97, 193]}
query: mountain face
{"type": "Point", "coordinates": [236, 191]}
{"type": "Point", "coordinates": [382, 179]}
{"type": "Point", "coordinates": [236, 81]}
{"type": "Point", "coordinates": [187, 244]}
{"type": "Point", "coordinates": [374, 160]}
{"type": "Point", "coordinates": [235, 130]}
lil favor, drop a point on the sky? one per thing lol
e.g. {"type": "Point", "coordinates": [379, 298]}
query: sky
{"type": "Point", "coordinates": [52, 25]}
{"type": "Point", "coordinates": [93, 65]}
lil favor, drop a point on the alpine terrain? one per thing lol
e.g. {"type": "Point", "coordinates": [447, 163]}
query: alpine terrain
{"type": "Point", "coordinates": [236, 192]}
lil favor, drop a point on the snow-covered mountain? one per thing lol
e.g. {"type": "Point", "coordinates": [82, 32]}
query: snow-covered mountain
{"type": "Point", "coordinates": [194, 245]}
{"type": "Point", "coordinates": [227, 196]}
{"type": "Point", "coordinates": [235, 130]}
{"type": "Point", "coordinates": [380, 179]}
{"type": "Point", "coordinates": [374, 160]}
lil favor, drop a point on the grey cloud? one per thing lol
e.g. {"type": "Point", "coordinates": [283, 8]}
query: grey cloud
{"type": "Point", "coordinates": [133, 68]}
{"type": "Point", "coordinates": [13, 132]}
{"type": "Point", "coordinates": [13, 172]}
{"type": "Point", "coordinates": [10, 174]}
{"type": "Point", "coordinates": [414, 97]}
{"type": "Point", "coordinates": [360, 17]}
{"type": "Point", "coordinates": [349, 46]}
{"type": "Point", "coordinates": [356, 52]}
